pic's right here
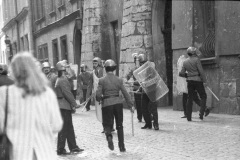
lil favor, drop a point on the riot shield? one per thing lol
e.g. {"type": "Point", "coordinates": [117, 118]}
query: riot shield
{"type": "Point", "coordinates": [150, 81]}
{"type": "Point", "coordinates": [98, 106]}
{"type": "Point", "coordinates": [181, 81]}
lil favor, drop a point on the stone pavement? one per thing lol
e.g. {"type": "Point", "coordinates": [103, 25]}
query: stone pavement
{"type": "Point", "coordinates": [217, 137]}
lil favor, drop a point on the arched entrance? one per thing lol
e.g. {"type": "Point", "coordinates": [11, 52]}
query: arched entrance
{"type": "Point", "coordinates": [77, 43]}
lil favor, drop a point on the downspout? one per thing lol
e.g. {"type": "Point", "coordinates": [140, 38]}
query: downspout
{"type": "Point", "coordinates": [31, 38]}
{"type": "Point", "coordinates": [17, 27]}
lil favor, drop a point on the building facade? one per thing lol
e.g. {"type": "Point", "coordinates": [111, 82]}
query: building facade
{"type": "Point", "coordinates": [57, 30]}
{"type": "Point", "coordinates": [163, 30]}
{"type": "Point", "coordinates": [16, 27]}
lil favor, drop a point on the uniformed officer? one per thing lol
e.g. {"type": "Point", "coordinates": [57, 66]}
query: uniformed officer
{"type": "Point", "coordinates": [108, 92]}
{"type": "Point", "coordinates": [52, 77]}
{"type": "Point", "coordinates": [148, 108]}
{"type": "Point", "coordinates": [83, 83]}
{"type": "Point", "coordinates": [4, 78]}
{"type": "Point", "coordinates": [67, 105]}
{"type": "Point", "coordinates": [196, 80]}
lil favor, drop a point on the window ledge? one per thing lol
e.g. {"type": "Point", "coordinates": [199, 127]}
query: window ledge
{"type": "Point", "coordinates": [207, 61]}
{"type": "Point", "coordinates": [52, 13]}
{"type": "Point", "coordinates": [62, 6]}
{"type": "Point", "coordinates": [40, 20]}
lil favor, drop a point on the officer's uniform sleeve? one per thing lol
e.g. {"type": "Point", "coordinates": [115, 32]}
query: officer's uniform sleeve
{"type": "Point", "coordinates": [183, 73]}
{"type": "Point", "coordinates": [67, 93]}
{"type": "Point", "coordinates": [90, 86]}
{"type": "Point", "coordinates": [201, 72]}
{"type": "Point", "coordinates": [125, 94]}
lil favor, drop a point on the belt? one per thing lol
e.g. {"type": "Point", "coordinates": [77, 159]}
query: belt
{"type": "Point", "coordinates": [111, 96]}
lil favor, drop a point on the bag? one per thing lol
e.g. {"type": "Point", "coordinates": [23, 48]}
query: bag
{"type": "Point", "coordinates": [5, 144]}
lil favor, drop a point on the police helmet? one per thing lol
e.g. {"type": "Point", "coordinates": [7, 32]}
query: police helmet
{"type": "Point", "coordinates": [191, 50]}
{"type": "Point", "coordinates": [61, 66]}
{"type": "Point", "coordinates": [46, 65]}
{"type": "Point", "coordinates": [142, 58]}
{"type": "Point", "coordinates": [110, 63]}
{"type": "Point", "coordinates": [98, 60]}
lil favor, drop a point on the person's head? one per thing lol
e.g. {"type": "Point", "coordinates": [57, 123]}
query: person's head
{"type": "Point", "coordinates": [191, 51]}
{"type": "Point", "coordinates": [83, 67]}
{"type": "Point", "coordinates": [96, 62]}
{"type": "Point", "coordinates": [61, 68]}
{"type": "Point", "coordinates": [52, 69]}
{"type": "Point", "coordinates": [110, 65]}
{"type": "Point", "coordinates": [46, 67]}
{"type": "Point", "coordinates": [142, 58]}
{"type": "Point", "coordinates": [3, 69]}
{"type": "Point", "coordinates": [27, 75]}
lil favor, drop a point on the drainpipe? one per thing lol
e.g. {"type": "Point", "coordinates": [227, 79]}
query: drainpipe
{"type": "Point", "coordinates": [30, 34]}
{"type": "Point", "coordinates": [17, 26]}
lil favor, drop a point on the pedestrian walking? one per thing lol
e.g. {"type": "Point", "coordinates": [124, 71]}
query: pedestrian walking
{"type": "Point", "coordinates": [196, 80]}
{"type": "Point", "coordinates": [83, 83]}
{"type": "Point", "coordinates": [67, 106]}
{"type": "Point", "coordinates": [108, 92]}
{"type": "Point", "coordinates": [4, 78]}
{"type": "Point", "coordinates": [51, 76]}
{"type": "Point", "coordinates": [33, 114]}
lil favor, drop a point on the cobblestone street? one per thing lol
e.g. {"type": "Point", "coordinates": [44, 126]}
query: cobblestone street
{"type": "Point", "coordinates": [217, 137]}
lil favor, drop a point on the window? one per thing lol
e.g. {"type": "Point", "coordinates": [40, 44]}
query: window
{"type": "Point", "coordinates": [52, 5]}
{"type": "Point", "coordinates": [38, 9]}
{"type": "Point", "coordinates": [43, 53]}
{"type": "Point", "coordinates": [60, 2]}
{"type": "Point", "coordinates": [55, 51]}
{"type": "Point", "coordinates": [204, 27]}
{"type": "Point", "coordinates": [26, 47]}
{"type": "Point", "coordinates": [64, 47]}
{"type": "Point", "coordinates": [22, 44]}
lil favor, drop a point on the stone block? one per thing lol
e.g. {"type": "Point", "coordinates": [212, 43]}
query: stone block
{"type": "Point", "coordinates": [140, 9]}
{"type": "Point", "coordinates": [126, 55]}
{"type": "Point", "coordinates": [128, 29]}
{"type": "Point", "coordinates": [127, 4]}
{"type": "Point", "coordinates": [127, 11]}
{"type": "Point", "coordinates": [126, 19]}
{"type": "Point", "coordinates": [135, 41]}
{"type": "Point", "coordinates": [89, 38]}
{"type": "Point", "coordinates": [141, 16]}
{"type": "Point", "coordinates": [148, 41]}
{"type": "Point", "coordinates": [93, 21]}
{"type": "Point", "coordinates": [141, 2]}
{"type": "Point", "coordinates": [141, 27]}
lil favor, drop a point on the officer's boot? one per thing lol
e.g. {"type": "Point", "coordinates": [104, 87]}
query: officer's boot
{"type": "Point", "coordinates": [121, 139]}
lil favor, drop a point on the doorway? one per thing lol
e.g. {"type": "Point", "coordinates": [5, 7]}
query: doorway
{"type": "Point", "coordinates": [55, 52]}
{"type": "Point", "coordinates": [77, 41]}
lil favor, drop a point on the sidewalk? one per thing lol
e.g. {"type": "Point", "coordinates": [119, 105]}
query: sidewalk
{"type": "Point", "coordinates": [217, 137]}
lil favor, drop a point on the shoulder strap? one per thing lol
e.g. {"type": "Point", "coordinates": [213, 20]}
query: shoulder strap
{"type": "Point", "coordinates": [6, 111]}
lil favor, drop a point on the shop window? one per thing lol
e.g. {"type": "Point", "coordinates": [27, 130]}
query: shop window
{"type": "Point", "coordinates": [204, 27]}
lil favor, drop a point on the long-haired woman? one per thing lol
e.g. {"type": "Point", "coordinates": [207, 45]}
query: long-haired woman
{"type": "Point", "coordinates": [33, 111]}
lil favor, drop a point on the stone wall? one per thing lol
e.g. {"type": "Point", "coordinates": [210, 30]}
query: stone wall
{"type": "Point", "coordinates": [91, 31]}
{"type": "Point", "coordinates": [136, 32]}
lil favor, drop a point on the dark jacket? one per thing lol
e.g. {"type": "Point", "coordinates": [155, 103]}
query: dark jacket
{"type": "Point", "coordinates": [65, 97]}
{"type": "Point", "coordinates": [192, 69]}
{"type": "Point", "coordinates": [5, 80]}
{"type": "Point", "coordinates": [108, 89]}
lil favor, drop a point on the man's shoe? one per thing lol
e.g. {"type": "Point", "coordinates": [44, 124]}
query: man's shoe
{"type": "Point", "coordinates": [201, 117]}
{"type": "Point", "coordinates": [147, 126]}
{"type": "Point", "coordinates": [122, 149]}
{"type": "Point", "coordinates": [207, 111]}
{"type": "Point", "coordinates": [62, 152]}
{"type": "Point", "coordinates": [156, 126]}
{"type": "Point", "coordinates": [76, 150]}
{"type": "Point", "coordinates": [189, 119]}
{"type": "Point", "coordinates": [110, 143]}
{"type": "Point", "coordinates": [184, 116]}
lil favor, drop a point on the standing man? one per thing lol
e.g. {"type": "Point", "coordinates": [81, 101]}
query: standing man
{"type": "Point", "coordinates": [196, 80]}
{"type": "Point", "coordinates": [83, 83]}
{"type": "Point", "coordinates": [52, 77]}
{"type": "Point", "coordinates": [4, 78]}
{"type": "Point", "coordinates": [67, 106]}
{"type": "Point", "coordinates": [108, 92]}
{"type": "Point", "coordinates": [148, 108]}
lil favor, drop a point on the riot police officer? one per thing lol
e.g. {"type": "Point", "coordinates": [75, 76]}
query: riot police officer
{"type": "Point", "coordinates": [108, 92]}
{"type": "Point", "coordinates": [46, 68]}
{"type": "Point", "coordinates": [67, 105]}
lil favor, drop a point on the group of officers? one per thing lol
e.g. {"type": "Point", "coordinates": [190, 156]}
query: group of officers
{"type": "Point", "coordinates": [63, 81]}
